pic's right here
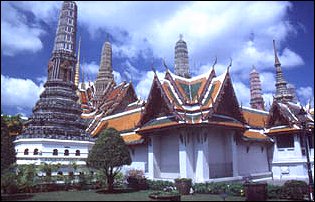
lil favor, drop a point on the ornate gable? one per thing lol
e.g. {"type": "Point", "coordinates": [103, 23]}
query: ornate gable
{"type": "Point", "coordinates": [276, 117]}
{"type": "Point", "coordinates": [157, 104]}
{"type": "Point", "coordinates": [226, 102]}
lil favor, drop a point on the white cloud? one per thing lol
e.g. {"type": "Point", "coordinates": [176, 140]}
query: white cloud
{"type": "Point", "coordinates": [242, 93]}
{"type": "Point", "coordinates": [268, 99]}
{"type": "Point", "coordinates": [144, 86]}
{"type": "Point", "coordinates": [90, 70]}
{"type": "Point", "coordinates": [225, 29]}
{"type": "Point", "coordinates": [305, 94]}
{"type": "Point", "coordinates": [43, 11]}
{"type": "Point", "coordinates": [117, 77]}
{"type": "Point", "coordinates": [268, 81]}
{"type": "Point", "coordinates": [17, 34]}
{"type": "Point", "coordinates": [19, 93]}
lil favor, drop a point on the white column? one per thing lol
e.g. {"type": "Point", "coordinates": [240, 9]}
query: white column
{"type": "Point", "coordinates": [297, 145]}
{"type": "Point", "coordinates": [234, 154]}
{"type": "Point", "coordinates": [202, 165]}
{"type": "Point", "coordinates": [185, 155]}
{"type": "Point", "coordinates": [153, 158]}
{"type": "Point", "coordinates": [182, 155]}
{"type": "Point", "coordinates": [150, 160]}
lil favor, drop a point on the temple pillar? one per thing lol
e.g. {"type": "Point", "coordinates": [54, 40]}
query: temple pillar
{"type": "Point", "coordinates": [202, 164]}
{"type": "Point", "coordinates": [153, 158]}
{"type": "Point", "coordinates": [234, 153]}
{"type": "Point", "coordinates": [185, 155]}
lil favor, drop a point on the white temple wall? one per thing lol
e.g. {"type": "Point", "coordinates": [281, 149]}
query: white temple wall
{"type": "Point", "coordinates": [139, 157]}
{"type": "Point", "coordinates": [220, 154]}
{"type": "Point", "coordinates": [45, 151]}
{"type": "Point", "coordinates": [290, 163]}
{"type": "Point", "coordinates": [252, 158]}
{"type": "Point", "coordinates": [169, 155]}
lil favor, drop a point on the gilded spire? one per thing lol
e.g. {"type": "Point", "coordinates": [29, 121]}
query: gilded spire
{"type": "Point", "coordinates": [256, 99]}
{"type": "Point", "coordinates": [282, 93]}
{"type": "Point", "coordinates": [181, 58]}
{"type": "Point", "coordinates": [77, 67]}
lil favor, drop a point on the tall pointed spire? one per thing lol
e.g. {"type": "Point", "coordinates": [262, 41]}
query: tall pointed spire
{"type": "Point", "coordinates": [282, 93]}
{"type": "Point", "coordinates": [277, 62]}
{"type": "Point", "coordinates": [77, 67]}
{"type": "Point", "coordinates": [105, 78]}
{"type": "Point", "coordinates": [256, 99]}
{"type": "Point", "coordinates": [181, 58]}
{"type": "Point", "coordinates": [56, 114]}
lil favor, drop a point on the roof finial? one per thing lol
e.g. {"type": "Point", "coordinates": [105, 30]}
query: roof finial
{"type": "Point", "coordinates": [180, 36]}
{"type": "Point", "coordinates": [152, 67]}
{"type": "Point", "coordinates": [228, 68]}
{"type": "Point", "coordinates": [215, 62]}
{"type": "Point", "coordinates": [164, 64]}
{"type": "Point", "coordinates": [277, 62]}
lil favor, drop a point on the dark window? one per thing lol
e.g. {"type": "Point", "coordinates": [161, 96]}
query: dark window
{"type": "Point", "coordinates": [285, 141]}
{"type": "Point", "coordinates": [35, 152]}
{"type": "Point", "coordinates": [26, 152]}
{"type": "Point", "coordinates": [77, 152]}
{"type": "Point", "coordinates": [55, 152]}
{"type": "Point", "coordinates": [262, 149]}
{"type": "Point", "coordinates": [66, 152]}
{"type": "Point", "coordinates": [247, 149]}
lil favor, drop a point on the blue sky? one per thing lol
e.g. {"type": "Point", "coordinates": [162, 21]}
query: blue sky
{"type": "Point", "coordinates": [142, 33]}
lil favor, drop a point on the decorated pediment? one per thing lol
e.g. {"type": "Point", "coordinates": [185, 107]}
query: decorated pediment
{"type": "Point", "coordinates": [157, 104]}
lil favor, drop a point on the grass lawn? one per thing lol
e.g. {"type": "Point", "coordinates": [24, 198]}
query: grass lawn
{"type": "Point", "coordinates": [132, 196]}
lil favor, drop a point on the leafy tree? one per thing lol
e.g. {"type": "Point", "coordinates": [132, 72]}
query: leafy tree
{"type": "Point", "coordinates": [26, 177]}
{"type": "Point", "coordinates": [7, 146]}
{"type": "Point", "coordinates": [109, 154]}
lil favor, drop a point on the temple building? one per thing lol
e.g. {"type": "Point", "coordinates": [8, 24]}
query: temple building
{"type": "Point", "coordinates": [291, 126]}
{"type": "Point", "coordinates": [188, 127]}
{"type": "Point", "coordinates": [55, 133]}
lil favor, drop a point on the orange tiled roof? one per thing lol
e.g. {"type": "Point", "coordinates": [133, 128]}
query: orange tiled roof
{"type": "Point", "coordinates": [231, 124]}
{"type": "Point", "coordinates": [158, 126]}
{"type": "Point", "coordinates": [255, 135]}
{"type": "Point", "coordinates": [132, 138]}
{"type": "Point", "coordinates": [122, 123]}
{"type": "Point", "coordinates": [255, 119]}
{"type": "Point", "coordinates": [282, 131]}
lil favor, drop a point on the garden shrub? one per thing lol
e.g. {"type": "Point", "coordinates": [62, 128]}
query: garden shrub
{"type": "Point", "coordinates": [231, 188]}
{"type": "Point", "coordinates": [274, 191]}
{"type": "Point", "coordinates": [294, 189]}
{"type": "Point", "coordinates": [137, 180]}
{"type": "Point", "coordinates": [159, 184]}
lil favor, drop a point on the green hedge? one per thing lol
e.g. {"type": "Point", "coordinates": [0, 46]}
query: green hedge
{"type": "Point", "coordinates": [159, 184]}
{"type": "Point", "coordinates": [232, 188]}
{"type": "Point", "coordinates": [292, 189]}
